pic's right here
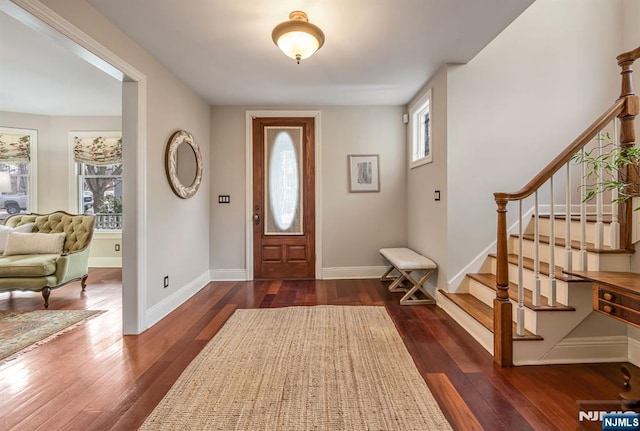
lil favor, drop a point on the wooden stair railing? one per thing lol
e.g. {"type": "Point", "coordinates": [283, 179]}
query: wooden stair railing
{"type": "Point", "coordinates": [625, 109]}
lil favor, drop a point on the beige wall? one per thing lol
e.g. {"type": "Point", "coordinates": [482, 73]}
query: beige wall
{"type": "Point", "coordinates": [427, 218]}
{"type": "Point", "coordinates": [518, 103]}
{"type": "Point", "coordinates": [54, 169]}
{"type": "Point", "coordinates": [177, 236]}
{"type": "Point", "coordinates": [354, 225]}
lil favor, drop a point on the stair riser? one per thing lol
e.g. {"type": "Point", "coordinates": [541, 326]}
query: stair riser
{"type": "Point", "coordinates": [560, 226]}
{"type": "Point", "coordinates": [528, 250]}
{"type": "Point", "coordinates": [487, 295]}
{"type": "Point", "coordinates": [529, 280]}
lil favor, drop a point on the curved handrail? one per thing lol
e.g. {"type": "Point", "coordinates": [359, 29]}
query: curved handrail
{"type": "Point", "coordinates": [557, 163]}
{"type": "Point", "coordinates": [629, 56]}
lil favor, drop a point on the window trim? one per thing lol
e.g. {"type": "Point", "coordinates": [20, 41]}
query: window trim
{"type": "Point", "coordinates": [416, 111]}
{"type": "Point", "coordinates": [33, 163]}
{"type": "Point", "coordinates": [75, 204]}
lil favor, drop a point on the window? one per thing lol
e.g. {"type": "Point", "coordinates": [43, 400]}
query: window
{"type": "Point", "coordinates": [98, 160]}
{"type": "Point", "coordinates": [17, 171]}
{"type": "Point", "coordinates": [420, 126]}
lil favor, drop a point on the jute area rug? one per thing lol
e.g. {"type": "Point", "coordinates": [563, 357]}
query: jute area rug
{"type": "Point", "coordinates": [301, 368]}
{"type": "Point", "coordinates": [21, 331]}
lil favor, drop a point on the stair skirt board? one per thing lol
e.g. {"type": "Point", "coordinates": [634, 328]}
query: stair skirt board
{"type": "Point", "coordinates": [481, 334]}
{"type": "Point", "coordinates": [584, 350]}
{"type": "Point", "coordinates": [618, 348]}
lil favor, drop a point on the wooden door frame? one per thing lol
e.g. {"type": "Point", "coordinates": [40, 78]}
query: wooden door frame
{"type": "Point", "coordinates": [248, 231]}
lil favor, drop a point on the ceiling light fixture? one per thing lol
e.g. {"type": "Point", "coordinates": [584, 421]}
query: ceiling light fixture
{"type": "Point", "coordinates": [298, 38]}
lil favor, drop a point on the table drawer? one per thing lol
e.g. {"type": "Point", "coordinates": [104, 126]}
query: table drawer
{"type": "Point", "coordinates": [614, 296]}
{"type": "Point", "coordinates": [615, 310]}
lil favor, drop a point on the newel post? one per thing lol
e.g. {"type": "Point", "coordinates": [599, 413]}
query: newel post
{"type": "Point", "coordinates": [627, 140]}
{"type": "Point", "coordinates": [502, 317]}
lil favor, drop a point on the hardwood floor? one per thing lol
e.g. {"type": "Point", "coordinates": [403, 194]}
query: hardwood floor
{"type": "Point", "coordinates": [93, 378]}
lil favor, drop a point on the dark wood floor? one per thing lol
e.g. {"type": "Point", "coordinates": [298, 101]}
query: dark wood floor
{"type": "Point", "coordinates": [93, 378]}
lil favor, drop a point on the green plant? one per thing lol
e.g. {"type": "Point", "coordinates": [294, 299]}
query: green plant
{"type": "Point", "coordinates": [111, 205]}
{"type": "Point", "coordinates": [613, 168]}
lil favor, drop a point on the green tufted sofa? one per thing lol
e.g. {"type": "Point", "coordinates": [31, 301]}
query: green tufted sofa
{"type": "Point", "coordinates": [44, 272]}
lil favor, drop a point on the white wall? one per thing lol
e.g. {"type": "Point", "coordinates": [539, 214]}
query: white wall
{"type": "Point", "coordinates": [427, 218]}
{"type": "Point", "coordinates": [518, 103]}
{"type": "Point", "coordinates": [177, 237]}
{"type": "Point", "coordinates": [355, 225]}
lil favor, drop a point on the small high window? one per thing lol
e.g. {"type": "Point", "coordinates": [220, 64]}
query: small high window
{"type": "Point", "coordinates": [420, 127]}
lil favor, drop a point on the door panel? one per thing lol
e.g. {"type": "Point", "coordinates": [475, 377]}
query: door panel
{"type": "Point", "coordinates": [284, 198]}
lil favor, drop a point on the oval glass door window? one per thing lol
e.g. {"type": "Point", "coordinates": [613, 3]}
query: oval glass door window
{"type": "Point", "coordinates": [284, 181]}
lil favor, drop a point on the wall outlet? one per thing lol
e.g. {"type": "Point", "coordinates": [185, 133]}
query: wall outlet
{"type": "Point", "coordinates": [117, 247]}
{"type": "Point", "coordinates": [166, 281]}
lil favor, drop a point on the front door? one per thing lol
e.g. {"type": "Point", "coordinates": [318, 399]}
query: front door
{"type": "Point", "coordinates": [283, 198]}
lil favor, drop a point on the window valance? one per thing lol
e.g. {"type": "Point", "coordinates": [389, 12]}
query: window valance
{"type": "Point", "coordinates": [98, 150]}
{"type": "Point", "coordinates": [15, 148]}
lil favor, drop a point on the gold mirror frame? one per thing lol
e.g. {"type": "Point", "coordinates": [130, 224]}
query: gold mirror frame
{"type": "Point", "coordinates": [171, 161]}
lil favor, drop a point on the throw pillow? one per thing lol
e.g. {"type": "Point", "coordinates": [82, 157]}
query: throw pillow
{"type": "Point", "coordinates": [4, 233]}
{"type": "Point", "coordinates": [34, 243]}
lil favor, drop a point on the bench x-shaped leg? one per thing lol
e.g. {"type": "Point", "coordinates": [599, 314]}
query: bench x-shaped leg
{"type": "Point", "coordinates": [397, 285]}
{"type": "Point", "coordinates": [411, 297]}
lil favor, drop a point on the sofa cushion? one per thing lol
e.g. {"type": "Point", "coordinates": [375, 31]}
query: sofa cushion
{"type": "Point", "coordinates": [34, 243]}
{"type": "Point", "coordinates": [34, 265]}
{"type": "Point", "coordinates": [4, 233]}
{"type": "Point", "coordinates": [79, 228]}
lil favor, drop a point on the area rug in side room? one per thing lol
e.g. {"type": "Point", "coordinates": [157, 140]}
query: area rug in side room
{"type": "Point", "coordinates": [301, 368]}
{"type": "Point", "coordinates": [22, 330]}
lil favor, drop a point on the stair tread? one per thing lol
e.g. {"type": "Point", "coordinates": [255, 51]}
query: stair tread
{"type": "Point", "coordinates": [489, 280]}
{"type": "Point", "coordinates": [483, 314]}
{"type": "Point", "coordinates": [528, 263]}
{"type": "Point", "coordinates": [560, 242]}
{"type": "Point", "coordinates": [590, 218]}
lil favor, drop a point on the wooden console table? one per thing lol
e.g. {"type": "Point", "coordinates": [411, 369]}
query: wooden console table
{"type": "Point", "coordinates": [616, 294]}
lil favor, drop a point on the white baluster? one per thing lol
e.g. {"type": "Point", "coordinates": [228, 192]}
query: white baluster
{"type": "Point", "coordinates": [583, 220]}
{"type": "Point", "coordinates": [615, 223]}
{"type": "Point", "coordinates": [520, 314]}
{"type": "Point", "coordinates": [567, 229]}
{"type": "Point", "coordinates": [552, 248]}
{"type": "Point", "coordinates": [599, 233]}
{"type": "Point", "coordinates": [536, 258]}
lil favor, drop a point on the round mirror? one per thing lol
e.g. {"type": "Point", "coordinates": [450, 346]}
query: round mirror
{"type": "Point", "coordinates": [183, 164]}
{"type": "Point", "coordinates": [187, 164]}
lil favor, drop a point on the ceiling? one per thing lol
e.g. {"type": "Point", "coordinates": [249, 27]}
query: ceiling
{"type": "Point", "coordinates": [41, 76]}
{"type": "Point", "coordinates": [377, 52]}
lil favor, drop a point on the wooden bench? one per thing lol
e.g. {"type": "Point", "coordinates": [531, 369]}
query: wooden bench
{"type": "Point", "coordinates": [406, 261]}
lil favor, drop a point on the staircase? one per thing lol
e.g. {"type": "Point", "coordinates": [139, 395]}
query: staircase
{"type": "Point", "coordinates": [524, 300]}
{"type": "Point", "coordinates": [544, 324]}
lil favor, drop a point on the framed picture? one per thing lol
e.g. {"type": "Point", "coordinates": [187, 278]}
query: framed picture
{"type": "Point", "coordinates": [364, 173]}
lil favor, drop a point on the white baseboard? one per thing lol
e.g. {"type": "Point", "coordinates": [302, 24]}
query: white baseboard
{"type": "Point", "coordinates": [105, 262]}
{"type": "Point", "coordinates": [633, 352]}
{"type": "Point", "coordinates": [327, 273]}
{"type": "Point", "coordinates": [227, 275]}
{"type": "Point", "coordinates": [176, 299]}
{"type": "Point", "coordinates": [353, 272]}
{"type": "Point", "coordinates": [585, 350]}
